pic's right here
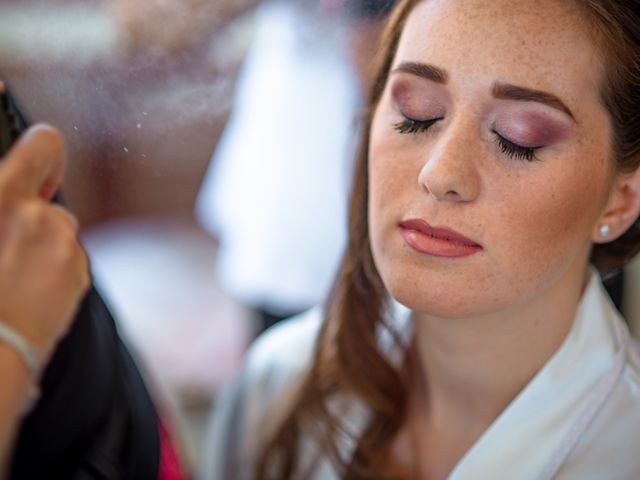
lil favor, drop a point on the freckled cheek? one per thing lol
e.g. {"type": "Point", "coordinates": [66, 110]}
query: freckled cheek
{"type": "Point", "coordinates": [379, 188]}
{"type": "Point", "coordinates": [387, 188]}
{"type": "Point", "coordinates": [391, 179]}
{"type": "Point", "coordinates": [552, 223]}
{"type": "Point", "coordinates": [392, 164]}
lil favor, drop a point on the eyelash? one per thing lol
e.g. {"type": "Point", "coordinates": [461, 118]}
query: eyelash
{"type": "Point", "coordinates": [411, 126]}
{"type": "Point", "coordinates": [513, 150]}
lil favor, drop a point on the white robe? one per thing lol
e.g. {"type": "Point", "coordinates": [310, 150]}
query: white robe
{"type": "Point", "coordinates": [578, 418]}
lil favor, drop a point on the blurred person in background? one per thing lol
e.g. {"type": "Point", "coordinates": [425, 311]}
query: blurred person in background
{"type": "Point", "coordinates": [276, 190]}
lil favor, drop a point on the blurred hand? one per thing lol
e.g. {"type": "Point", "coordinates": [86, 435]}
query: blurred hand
{"type": "Point", "coordinates": [43, 268]}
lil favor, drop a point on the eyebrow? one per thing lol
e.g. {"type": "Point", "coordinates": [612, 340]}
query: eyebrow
{"type": "Point", "coordinates": [503, 91]}
{"type": "Point", "coordinates": [423, 70]}
{"type": "Point", "coordinates": [512, 92]}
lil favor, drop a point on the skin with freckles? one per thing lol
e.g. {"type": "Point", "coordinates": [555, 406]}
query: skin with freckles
{"type": "Point", "coordinates": [496, 130]}
{"type": "Point", "coordinates": [533, 219]}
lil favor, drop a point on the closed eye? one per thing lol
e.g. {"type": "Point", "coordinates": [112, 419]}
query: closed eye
{"type": "Point", "coordinates": [411, 126]}
{"type": "Point", "coordinates": [515, 151]}
{"type": "Point", "coordinates": [509, 148]}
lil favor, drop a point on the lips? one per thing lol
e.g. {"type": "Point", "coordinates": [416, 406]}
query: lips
{"type": "Point", "coordinates": [437, 241]}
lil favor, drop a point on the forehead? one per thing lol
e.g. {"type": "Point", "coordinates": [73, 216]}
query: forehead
{"type": "Point", "coordinates": [540, 44]}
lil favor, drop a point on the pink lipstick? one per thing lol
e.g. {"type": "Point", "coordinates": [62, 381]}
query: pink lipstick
{"type": "Point", "coordinates": [437, 241]}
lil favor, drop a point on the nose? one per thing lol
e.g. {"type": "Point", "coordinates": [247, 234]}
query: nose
{"type": "Point", "coordinates": [450, 171]}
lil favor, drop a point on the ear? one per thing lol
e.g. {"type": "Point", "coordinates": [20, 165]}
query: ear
{"type": "Point", "coordinates": [622, 209]}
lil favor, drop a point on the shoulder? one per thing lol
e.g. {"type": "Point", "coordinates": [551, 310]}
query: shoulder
{"type": "Point", "coordinates": [609, 447]}
{"type": "Point", "coordinates": [279, 358]}
{"type": "Point", "coordinates": [247, 411]}
{"type": "Point", "coordinates": [275, 366]}
{"type": "Point", "coordinates": [277, 361]}
{"type": "Point", "coordinates": [283, 352]}
{"type": "Point", "coordinates": [618, 422]}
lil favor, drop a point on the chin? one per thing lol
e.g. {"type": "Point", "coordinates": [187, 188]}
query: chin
{"type": "Point", "coordinates": [450, 307]}
{"type": "Point", "coordinates": [438, 299]}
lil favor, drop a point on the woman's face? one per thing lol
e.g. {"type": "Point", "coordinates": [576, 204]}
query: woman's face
{"type": "Point", "coordinates": [490, 156]}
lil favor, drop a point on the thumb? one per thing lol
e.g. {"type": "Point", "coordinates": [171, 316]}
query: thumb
{"type": "Point", "coordinates": [35, 164]}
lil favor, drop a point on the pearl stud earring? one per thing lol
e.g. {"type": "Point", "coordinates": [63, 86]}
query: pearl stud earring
{"type": "Point", "coordinates": [605, 230]}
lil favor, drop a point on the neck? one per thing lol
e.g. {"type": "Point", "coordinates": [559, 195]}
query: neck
{"type": "Point", "coordinates": [469, 370]}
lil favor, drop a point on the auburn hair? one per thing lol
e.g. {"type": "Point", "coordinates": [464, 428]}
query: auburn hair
{"type": "Point", "coordinates": [348, 361]}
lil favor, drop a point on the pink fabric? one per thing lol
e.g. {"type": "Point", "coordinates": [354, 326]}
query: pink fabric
{"type": "Point", "coordinates": [169, 461]}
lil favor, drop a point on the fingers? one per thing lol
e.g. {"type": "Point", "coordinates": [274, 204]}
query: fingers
{"type": "Point", "coordinates": [35, 164]}
{"type": "Point", "coordinates": [44, 271]}
{"type": "Point", "coordinates": [37, 226]}
{"type": "Point", "coordinates": [43, 268]}
{"type": "Point", "coordinates": [66, 217]}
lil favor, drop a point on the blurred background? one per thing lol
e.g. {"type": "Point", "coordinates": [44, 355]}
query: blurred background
{"type": "Point", "coordinates": [210, 146]}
